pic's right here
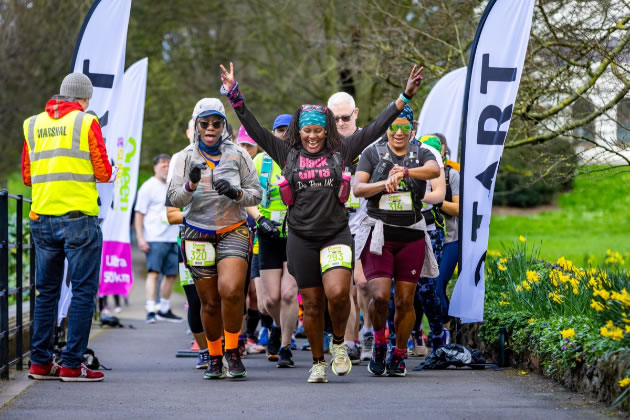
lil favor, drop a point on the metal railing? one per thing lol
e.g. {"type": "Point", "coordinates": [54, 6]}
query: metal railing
{"type": "Point", "coordinates": [5, 292]}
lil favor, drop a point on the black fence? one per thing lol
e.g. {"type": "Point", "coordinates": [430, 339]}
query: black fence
{"type": "Point", "coordinates": [16, 332]}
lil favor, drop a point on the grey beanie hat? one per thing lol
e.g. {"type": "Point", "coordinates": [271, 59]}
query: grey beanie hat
{"type": "Point", "coordinates": [76, 85]}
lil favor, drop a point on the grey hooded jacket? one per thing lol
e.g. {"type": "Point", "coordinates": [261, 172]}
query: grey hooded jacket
{"type": "Point", "coordinates": [204, 208]}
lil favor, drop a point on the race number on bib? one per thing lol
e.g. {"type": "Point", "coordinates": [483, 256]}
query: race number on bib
{"type": "Point", "coordinates": [353, 202]}
{"type": "Point", "coordinates": [199, 254]}
{"type": "Point", "coordinates": [185, 278]}
{"type": "Point", "coordinates": [278, 216]}
{"type": "Point", "coordinates": [400, 201]}
{"type": "Point", "coordinates": [335, 256]}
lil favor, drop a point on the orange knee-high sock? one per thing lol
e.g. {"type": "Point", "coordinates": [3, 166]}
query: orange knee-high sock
{"type": "Point", "coordinates": [215, 348]}
{"type": "Point", "coordinates": [231, 340]}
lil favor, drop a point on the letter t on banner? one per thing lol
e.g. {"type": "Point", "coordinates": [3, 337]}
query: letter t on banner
{"type": "Point", "coordinates": [100, 54]}
{"type": "Point", "coordinates": [494, 75]}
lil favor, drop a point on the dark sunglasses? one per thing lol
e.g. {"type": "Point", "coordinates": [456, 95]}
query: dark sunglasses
{"type": "Point", "coordinates": [318, 108]}
{"type": "Point", "coordinates": [344, 118]}
{"type": "Point", "coordinates": [215, 124]}
{"type": "Point", "coordinates": [405, 128]}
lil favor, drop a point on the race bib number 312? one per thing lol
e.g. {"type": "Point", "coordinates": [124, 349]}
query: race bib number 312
{"type": "Point", "coordinates": [199, 254]}
{"type": "Point", "coordinates": [335, 256]}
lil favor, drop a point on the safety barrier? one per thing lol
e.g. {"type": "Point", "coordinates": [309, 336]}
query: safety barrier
{"type": "Point", "coordinates": [9, 333]}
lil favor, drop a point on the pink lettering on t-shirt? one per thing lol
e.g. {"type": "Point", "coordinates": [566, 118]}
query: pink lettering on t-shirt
{"type": "Point", "coordinates": [312, 169]}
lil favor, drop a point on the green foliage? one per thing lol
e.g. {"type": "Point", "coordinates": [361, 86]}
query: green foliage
{"type": "Point", "coordinates": [592, 218]}
{"type": "Point", "coordinates": [562, 314]}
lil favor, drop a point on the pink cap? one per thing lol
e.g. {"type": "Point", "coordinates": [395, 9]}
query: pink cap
{"type": "Point", "coordinates": [243, 137]}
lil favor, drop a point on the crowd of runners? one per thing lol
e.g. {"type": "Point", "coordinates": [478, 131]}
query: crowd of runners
{"type": "Point", "coordinates": [317, 228]}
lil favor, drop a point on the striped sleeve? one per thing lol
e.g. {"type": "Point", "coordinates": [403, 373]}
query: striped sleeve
{"type": "Point", "coordinates": [98, 153]}
{"type": "Point", "coordinates": [26, 166]}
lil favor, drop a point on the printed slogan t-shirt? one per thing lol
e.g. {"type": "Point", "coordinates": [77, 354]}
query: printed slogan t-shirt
{"type": "Point", "coordinates": [316, 213]}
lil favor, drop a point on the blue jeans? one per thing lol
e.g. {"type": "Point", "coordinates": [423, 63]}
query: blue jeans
{"type": "Point", "coordinates": [80, 241]}
{"type": "Point", "coordinates": [447, 267]}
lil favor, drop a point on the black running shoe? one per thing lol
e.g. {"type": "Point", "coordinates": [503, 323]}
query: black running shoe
{"type": "Point", "coordinates": [215, 368]}
{"type": "Point", "coordinates": [396, 366]}
{"type": "Point", "coordinates": [273, 345]}
{"type": "Point", "coordinates": [168, 316]}
{"type": "Point", "coordinates": [377, 362]}
{"type": "Point", "coordinates": [235, 366]}
{"type": "Point", "coordinates": [285, 358]}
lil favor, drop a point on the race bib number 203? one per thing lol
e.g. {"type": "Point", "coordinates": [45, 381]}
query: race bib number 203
{"type": "Point", "coordinates": [335, 256]}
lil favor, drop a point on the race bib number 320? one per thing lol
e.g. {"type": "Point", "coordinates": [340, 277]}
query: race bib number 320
{"type": "Point", "coordinates": [199, 254]}
{"type": "Point", "coordinates": [400, 201]}
{"type": "Point", "coordinates": [335, 256]}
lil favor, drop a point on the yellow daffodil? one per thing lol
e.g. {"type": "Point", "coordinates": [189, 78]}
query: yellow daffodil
{"type": "Point", "coordinates": [526, 285]}
{"type": "Point", "coordinates": [604, 294]}
{"type": "Point", "coordinates": [623, 297]}
{"type": "Point", "coordinates": [568, 333]}
{"type": "Point", "coordinates": [503, 303]}
{"type": "Point", "coordinates": [493, 253]}
{"type": "Point", "coordinates": [531, 320]}
{"type": "Point", "coordinates": [503, 260]}
{"type": "Point", "coordinates": [624, 382]}
{"type": "Point", "coordinates": [532, 277]}
{"type": "Point", "coordinates": [522, 238]}
{"type": "Point", "coordinates": [597, 306]}
{"type": "Point", "coordinates": [611, 331]}
{"type": "Point", "coordinates": [502, 267]}
{"type": "Point", "coordinates": [519, 289]}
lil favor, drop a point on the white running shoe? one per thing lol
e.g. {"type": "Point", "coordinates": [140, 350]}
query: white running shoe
{"type": "Point", "coordinates": [340, 362]}
{"type": "Point", "coordinates": [318, 373]}
{"type": "Point", "coordinates": [368, 345]}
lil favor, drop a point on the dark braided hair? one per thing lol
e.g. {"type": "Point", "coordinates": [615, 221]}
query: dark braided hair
{"type": "Point", "coordinates": [334, 140]}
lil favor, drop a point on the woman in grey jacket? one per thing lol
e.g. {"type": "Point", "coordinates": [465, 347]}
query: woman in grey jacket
{"type": "Point", "coordinates": [214, 181]}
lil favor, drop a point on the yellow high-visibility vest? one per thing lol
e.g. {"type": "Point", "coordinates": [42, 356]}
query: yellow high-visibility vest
{"type": "Point", "coordinates": [62, 174]}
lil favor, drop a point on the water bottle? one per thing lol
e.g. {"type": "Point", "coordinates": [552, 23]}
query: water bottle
{"type": "Point", "coordinates": [285, 190]}
{"type": "Point", "coordinates": [344, 187]}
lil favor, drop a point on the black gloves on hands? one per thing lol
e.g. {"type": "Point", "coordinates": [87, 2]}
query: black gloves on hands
{"type": "Point", "coordinates": [195, 173]}
{"type": "Point", "coordinates": [223, 187]}
{"type": "Point", "coordinates": [268, 228]}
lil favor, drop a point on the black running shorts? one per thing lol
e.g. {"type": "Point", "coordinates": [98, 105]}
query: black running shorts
{"type": "Point", "coordinates": [272, 252]}
{"type": "Point", "coordinates": [304, 257]}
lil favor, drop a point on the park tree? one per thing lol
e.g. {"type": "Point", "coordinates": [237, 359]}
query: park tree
{"type": "Point", "coordinates": [289, 52]}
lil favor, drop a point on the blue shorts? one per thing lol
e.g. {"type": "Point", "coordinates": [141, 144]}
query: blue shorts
{"type": "Point", "coordinates": [163, 258]}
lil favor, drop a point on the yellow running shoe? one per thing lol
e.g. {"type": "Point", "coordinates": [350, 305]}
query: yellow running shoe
{"type": "Point", "coordinates": [340, 362]}
{"type": "Point", "coordinates": [318, 373]}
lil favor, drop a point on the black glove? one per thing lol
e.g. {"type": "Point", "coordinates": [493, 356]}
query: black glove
{"type": "Point", "coordinates": [268, 228]}
{"type": "Point", "coordinates": [195, 173]}
{"type": "Point", "coordinates": [223, 187]}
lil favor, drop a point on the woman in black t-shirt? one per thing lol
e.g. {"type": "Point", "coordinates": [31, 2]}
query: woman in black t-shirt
{"type": "Point", "coordinates": [392, 177]}
{"type": "Point", "coordinates": [319, 245]}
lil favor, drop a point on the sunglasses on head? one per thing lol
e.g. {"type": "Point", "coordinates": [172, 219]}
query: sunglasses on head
{"type": "Point", "coordinates": [405, 128]}
{"type": "Point", "coordinates": [344, 118]}
{"type": "Point", "coordinates": [215, 124]}
{"type": "Point", "coordinates": [318, 108]}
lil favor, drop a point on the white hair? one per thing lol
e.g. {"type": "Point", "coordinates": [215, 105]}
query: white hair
{"type": "Point", "coordinates": [341, 98]}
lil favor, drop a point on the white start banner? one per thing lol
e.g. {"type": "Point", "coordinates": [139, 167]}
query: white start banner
{"type": "Point", "coordinates": [494, 74]}
{"type": "Point", "coordinates": [442, 110]}
{"type": "Point", "coordinates": [100, 54]}
{"type": "Point", "coordinates": [116, 269]}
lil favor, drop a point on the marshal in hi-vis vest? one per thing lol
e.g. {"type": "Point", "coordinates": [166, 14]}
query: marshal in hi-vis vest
{"type": "Point", "coordinates": [62, 174]}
